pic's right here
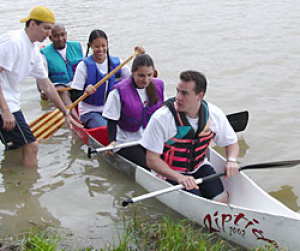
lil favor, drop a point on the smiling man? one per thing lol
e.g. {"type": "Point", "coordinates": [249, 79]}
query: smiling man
{"type": "Point", "coordinates": [61, 58]}
{"type": "Point", "coordinates": [179, 134]}
{"type": "Point", "coordinates": [19, 59]}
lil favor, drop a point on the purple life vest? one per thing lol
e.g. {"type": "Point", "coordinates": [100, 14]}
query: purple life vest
{"type": "Point", "coordinates": [134, 114]}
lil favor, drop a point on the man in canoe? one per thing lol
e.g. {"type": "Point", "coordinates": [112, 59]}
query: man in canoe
{"type": "Point", "coordinates": [178, 136]}
{"type": "Point", "coordinates": [19, 59]}
{"type": "Point", "coordinates": [60, 59]}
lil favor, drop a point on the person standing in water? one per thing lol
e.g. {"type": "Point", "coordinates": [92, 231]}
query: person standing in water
{"type": "Point", "coordinates": [19, 59]}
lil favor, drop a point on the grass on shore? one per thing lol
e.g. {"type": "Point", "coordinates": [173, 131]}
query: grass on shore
{"type": "Point", "coordinates": [140, 234]}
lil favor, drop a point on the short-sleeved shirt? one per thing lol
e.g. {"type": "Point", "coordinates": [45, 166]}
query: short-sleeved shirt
{"type": "Point", "coordinates": [162, 127]}
{"type": "Point", "coordinates": [19, 58]}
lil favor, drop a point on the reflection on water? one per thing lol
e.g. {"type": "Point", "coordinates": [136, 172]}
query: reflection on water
{"type": "Point", "coordinates": [243, 147]}
{"type": "Point", "coordinates": [287, 196]}
{"type": "Point", "coordinates": [20, 205]}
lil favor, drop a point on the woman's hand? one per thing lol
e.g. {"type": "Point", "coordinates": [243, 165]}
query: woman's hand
{"type": "Point", "coordinates": [139, 49]}
{"type": "Point", "coordinates": [111, 152]}
{"type": "Point", "coordinates": [90, 89]}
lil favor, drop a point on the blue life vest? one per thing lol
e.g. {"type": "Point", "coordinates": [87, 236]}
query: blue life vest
{"type": "Point", "coordinates": [60, 70]}
{"type": "Point", "coordinates": [134, 113]}
{"type": "Point", "coordinates": [187, 149]}
{"type": "Point", "coordinates": [94, 76]}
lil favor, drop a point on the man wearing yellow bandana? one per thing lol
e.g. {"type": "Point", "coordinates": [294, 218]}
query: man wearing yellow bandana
{"type": "Point", "coordinates": [19, 59]}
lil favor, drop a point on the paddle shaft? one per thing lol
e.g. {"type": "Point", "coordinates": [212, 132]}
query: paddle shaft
{"type": "Point", "coordinates": [237, 120]}
{"type": "Point", "coordinates": [108, 148]}
{"type": "Point", "coordinates": [102, 80]}
{"type": "Point", "coordinates": [47, 124]}
{"type": "Point", "coordinates": [211, 177]}
{"type": "Point", "coordinates": [70, 88]}
{"type": "Point", "coordinates": [64, 89]}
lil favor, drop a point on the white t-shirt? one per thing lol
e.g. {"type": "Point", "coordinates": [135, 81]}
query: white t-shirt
{"type": "Point", "coordinates": [20, 59]}
{"type": "Point", "coordinates": [162, 127]}
{"type": "Point", "coordinates": [63, 53]}
{"type": "Point", "coordinates": [112, 110]}
{"type": "Point", "coordinates": [80, 79]}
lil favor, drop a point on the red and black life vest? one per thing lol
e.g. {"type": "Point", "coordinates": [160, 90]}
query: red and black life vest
{"type": "Point", "coordinates": [187, 149]}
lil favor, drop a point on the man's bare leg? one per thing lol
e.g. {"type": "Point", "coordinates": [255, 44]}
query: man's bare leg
{"type": "Point", "coordinates": [29, 158]}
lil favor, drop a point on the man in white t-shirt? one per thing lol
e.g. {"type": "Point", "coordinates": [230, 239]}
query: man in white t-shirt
{"type": "Point", "coordinates": [178, 136]}
{"type": "Point", "coordinates": [19, 59]}
{"type": "Point", "coordinates": [61, 58]}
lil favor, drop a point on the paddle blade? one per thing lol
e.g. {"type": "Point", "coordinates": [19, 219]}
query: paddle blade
{"type": "Point", "coordinates": [45, 126]}
{"type": "Point", "coordinates": [238, 121]}
{"type": "Point", "coordinates": [276, 164]}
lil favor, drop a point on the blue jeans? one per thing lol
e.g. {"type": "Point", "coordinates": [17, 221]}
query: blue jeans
{"type": "Point", "coordinates": [93, 119]}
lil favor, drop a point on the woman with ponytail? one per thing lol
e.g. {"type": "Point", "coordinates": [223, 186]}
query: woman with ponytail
{"type": "Point", "coordinates": [89, 72]}
{"type": "Point", "coordinates": [130, 105]}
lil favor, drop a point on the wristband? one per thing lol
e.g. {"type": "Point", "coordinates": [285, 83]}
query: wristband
{"type": "Point", "coordinates": [231, 159]}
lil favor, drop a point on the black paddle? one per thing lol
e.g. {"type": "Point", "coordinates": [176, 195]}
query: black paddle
{"type": "Point", "coordinates": [211, 177]}
{"type": "Point", "coordinates": [238, 121]}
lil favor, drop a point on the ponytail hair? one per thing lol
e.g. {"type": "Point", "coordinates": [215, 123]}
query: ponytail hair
{"type": "Point", "coordinates": [93, 35]}
{"type": "Point", "coordinates": [146, 60]}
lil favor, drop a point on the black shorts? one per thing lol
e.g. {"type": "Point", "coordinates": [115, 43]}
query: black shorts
{"type": "Point", "coordinates": [209, 189]}
{"type": "Point", "coordinates": [19, 136]}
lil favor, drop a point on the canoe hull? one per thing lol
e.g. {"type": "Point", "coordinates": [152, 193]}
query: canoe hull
{"type": "Point", "coordinates": [252, 218]}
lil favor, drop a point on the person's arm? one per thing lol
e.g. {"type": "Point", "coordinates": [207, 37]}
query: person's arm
{"type": "Point", "coordinates": [111, 112]}
{"type": "Point", "coordinates": [45, 65]}
{"type": "Point", "coordinates": [8, 120]}
{"type": "Point", "coordinates": [76, 94]}
{"type": "Point", "coordinates": [232, 153]}
{"type": "Point", "coordinates": [225, 137]}
{"type": "Point", "coordinates": [112, 133]}
{"type": "Point", "coordinates": [155, 162]}
{"type": "Point", "coordinates": [48, 88]}
{"type": "Point", "coordinates": [80, 77]}
{"type": "Point", "coordinates": [112, 129]}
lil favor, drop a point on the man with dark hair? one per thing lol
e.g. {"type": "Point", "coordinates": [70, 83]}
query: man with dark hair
{"type": "Point", "coordinates": [178, 136]}
{"type": "Point", "coordinates": [19, 59]}
{"type": "Point", "coordinates": [60, 59]}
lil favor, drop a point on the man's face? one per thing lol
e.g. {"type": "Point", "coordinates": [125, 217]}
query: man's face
{"type": "Point", "coordinates": [187, 100]}
{"type": "Point", "coordinates": [59, 38]}
{"type": "Point", "coordinates": [40, 31]}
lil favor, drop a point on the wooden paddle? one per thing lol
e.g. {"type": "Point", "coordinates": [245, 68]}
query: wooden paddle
{"type": "Point", "coordinates": [45, 126]}
{"type": "Point", "coordinates": [64, 89]}
{"type": "Point", "coordinates": [211, 177]}
{"type": "Point", "coordinates": [70, 88]}
{"type": "Point", "coordinates": [238, 121]}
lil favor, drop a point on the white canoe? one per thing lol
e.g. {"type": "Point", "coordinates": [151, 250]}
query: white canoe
{"type": "Point", "coordinates": [252, 218]}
